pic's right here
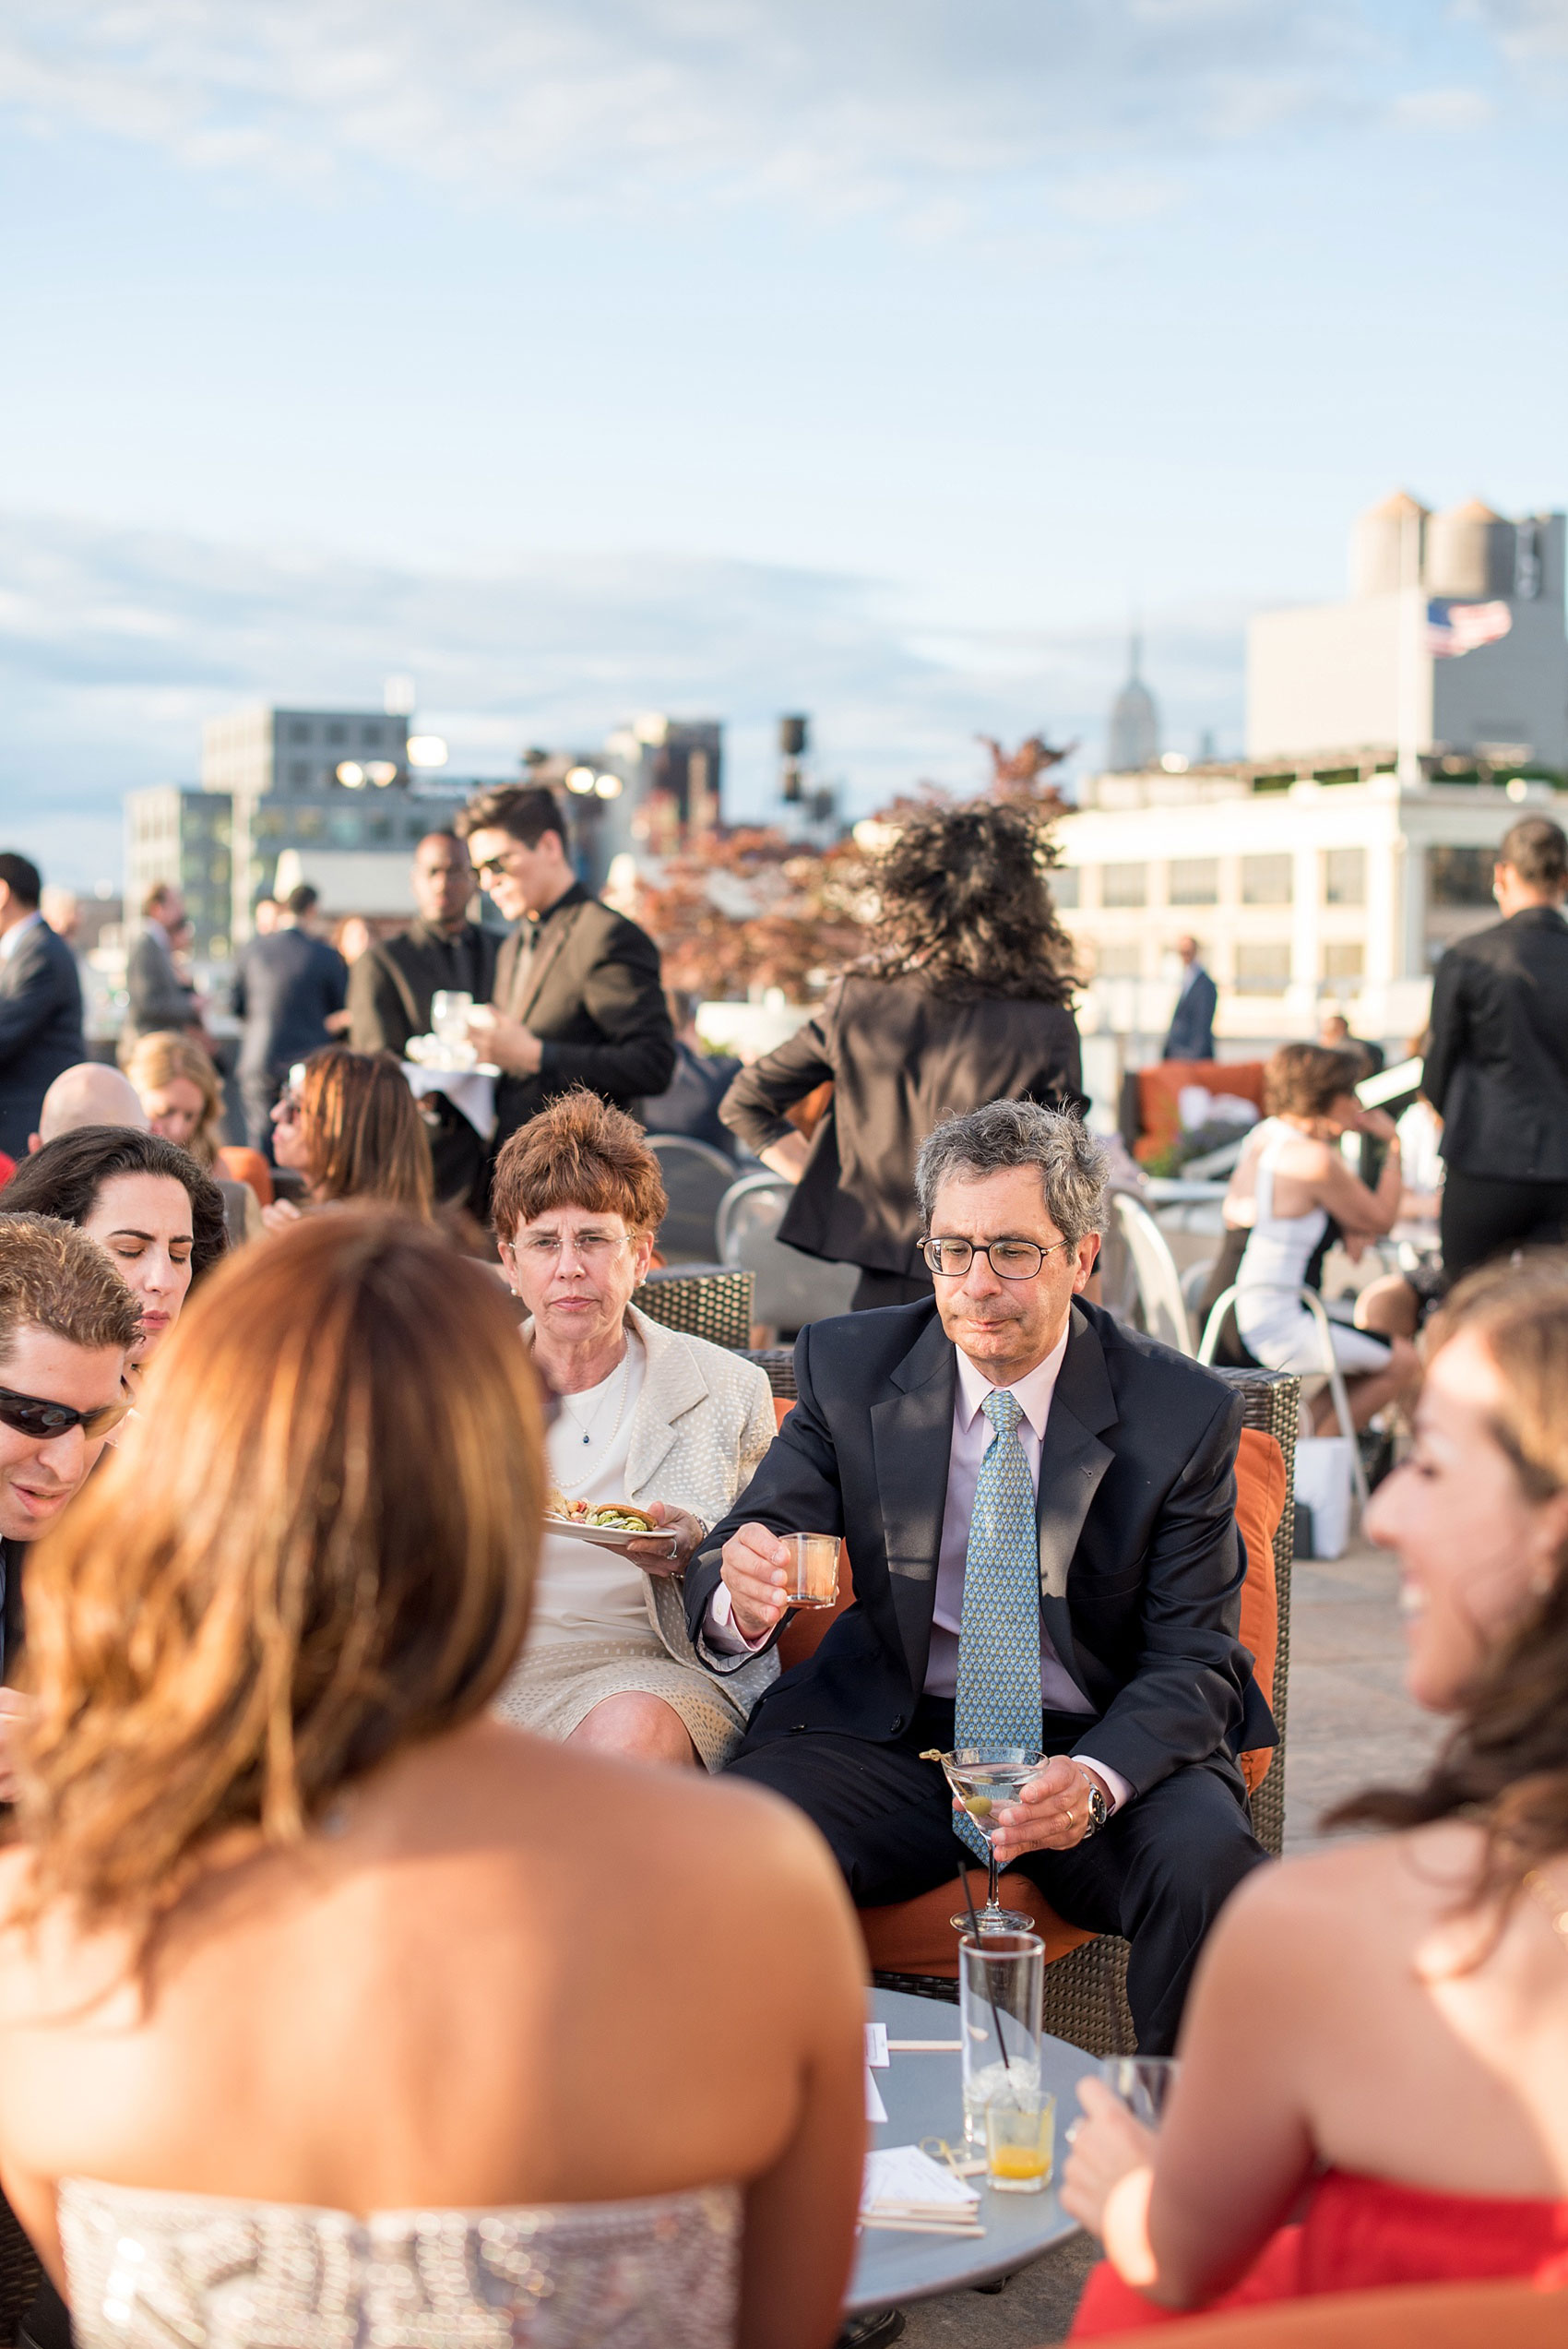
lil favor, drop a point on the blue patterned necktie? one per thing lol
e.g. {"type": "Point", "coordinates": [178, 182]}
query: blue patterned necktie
{"type": "Point", "coordinates": [997, 1699]}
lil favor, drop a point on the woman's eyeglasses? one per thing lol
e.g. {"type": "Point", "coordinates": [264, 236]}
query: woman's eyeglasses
{"type": "Point", "coordinates": [35, 1416]}
{"type": "Point", "coordinates": [1009, 1260]}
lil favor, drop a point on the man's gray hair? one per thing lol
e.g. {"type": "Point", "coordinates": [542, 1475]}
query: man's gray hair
{"type": "Point", "coordinates": [1074, 1168]}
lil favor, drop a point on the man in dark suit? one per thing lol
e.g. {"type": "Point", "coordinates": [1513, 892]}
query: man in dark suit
{"type": "Point", "coordinates": [1497, 1065]}
{"type": "Point", "coordinates": [1039, 1511]}
{"type": "Point", "coordinates": [290, 994]}
{"type": "Point", "coordinates": [578, 997]}
{"type": "Point", "coordinates": [1191, 1033]}
{"type": "Point", "coordinates": [158, 998]}
{"type": "Point", "coordinates": [40, 1005]}
{"type": "Point", "coordinates": [392, 984]}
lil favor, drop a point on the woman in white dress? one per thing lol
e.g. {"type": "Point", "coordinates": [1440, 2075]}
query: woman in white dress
{"type": "Point", "coordinates": [1298, 1181]}
{"type": "Point", "coordinates": [646, 1414]}
{"type": "Point", "coordinates": [333, 2010]}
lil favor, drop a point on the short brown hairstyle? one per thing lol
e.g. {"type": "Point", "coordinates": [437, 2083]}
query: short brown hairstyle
{"type": "Point", "coordinates": [578, 1153]}
{"type": "Point", "coordinates": [364, 1138]}
{"type": "Point", "coordinates": [1538, 850]}
{"type": "Point", "coordinates": [52, 1277]}
{"type": "Point", "coordinates": [159, 894]}
{"type": "Point", "coordinates": [525, 810]}
{"type": "Point", "coordinates": [315, 1550]}
{"type": "Point", "coordinates": [1303, 1080]}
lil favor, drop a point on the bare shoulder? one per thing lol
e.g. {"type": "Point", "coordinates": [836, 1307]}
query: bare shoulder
{"type": "Point", "coordinates": [1307, 1160]}
{"type": "Point", "coordinates": [1385, 1889]}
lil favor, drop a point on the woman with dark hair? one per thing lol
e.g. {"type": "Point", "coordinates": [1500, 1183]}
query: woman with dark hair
{"type": "Point", "coordinates": [1382, 2028]}
{"type": "Point", "coordinates": [348, 1124]}
{"type": "Point", "coordinates": [146, 1203]}
{"type": "Point", "coordinates": [966, 999]}
{"type": "Point", "coordinates": [312, 2028]}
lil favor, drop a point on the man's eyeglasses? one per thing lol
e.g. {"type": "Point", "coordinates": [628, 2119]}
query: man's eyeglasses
{"type": "Point", "coordinates": [35, 1416]}
{"type": "Point", "coordinates": [1009, 1260]}
{"type": "Point", "coordinates": [488, 865]}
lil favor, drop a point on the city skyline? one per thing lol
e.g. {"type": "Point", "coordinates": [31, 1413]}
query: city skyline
{"type": "Point", "coordinates": [583, 361]}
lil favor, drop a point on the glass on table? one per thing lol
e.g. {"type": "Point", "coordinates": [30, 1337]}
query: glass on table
{"type": "Point", "coordinates": [984, 1778]}
{"type": "Point", "coordinates": [811, 1569]}
{"type": "Point", "coordinates": [450, 1008]}
{"type": "Point", "coordinates": [1020, 2140]}
{"type": "Point", "coordinates": [1142, 2083]}
{"type": "Point", "coordinates": [1001, 1995]}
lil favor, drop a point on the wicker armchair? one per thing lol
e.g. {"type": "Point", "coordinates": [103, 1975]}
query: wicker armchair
{"type": "Point", "coordinates": [712, 1301]}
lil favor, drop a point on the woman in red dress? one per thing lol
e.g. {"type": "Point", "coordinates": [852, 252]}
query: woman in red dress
{"type": "Point", "coordinates": [1374, 2081]}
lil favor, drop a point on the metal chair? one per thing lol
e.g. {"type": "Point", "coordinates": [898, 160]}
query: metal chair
{"type": "Point", "coordinates": [712, 1301]}
{"type": "Point", "coordinates": [792, 1288]}
{"type": "Point", "coordinates": [1330, 1371]}
{"type": "Point", "coordinates": [696, 1179]}
{"type": "Point", "coordinates": [1159, 1282]}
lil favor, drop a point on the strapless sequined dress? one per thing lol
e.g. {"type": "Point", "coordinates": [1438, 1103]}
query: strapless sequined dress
{"type": "Point", "coordinates": [159, 2271]}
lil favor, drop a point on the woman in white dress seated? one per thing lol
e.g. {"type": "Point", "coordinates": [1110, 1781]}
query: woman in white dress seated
{"type": "Point", "coordinates": [1291, 1181]}
{"type": "Point", "coordinates": [646, 1414]}
{"type": "Point", "coordinates": [318, 2021]}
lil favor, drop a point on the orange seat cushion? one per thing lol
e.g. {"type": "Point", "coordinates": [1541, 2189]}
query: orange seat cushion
{"type": "Point", "coordinates": [1260, 1504]}
{"type": "Point", "coordinates": [1160, 1116]}
{"type": "Point", "coordinates": [242, 1165]}
{"type": "Point", "coordinates": [1424, 2316]}
{"type": "Point", "coordinates": [918, 1937]}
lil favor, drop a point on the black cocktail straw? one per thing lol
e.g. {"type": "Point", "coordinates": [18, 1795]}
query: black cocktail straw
{"type": "Point", "coordinates": [990, 1994]}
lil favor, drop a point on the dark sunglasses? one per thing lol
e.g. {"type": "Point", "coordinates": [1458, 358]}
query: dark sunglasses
{"type": "Point", "coordinates": [34, 1415]}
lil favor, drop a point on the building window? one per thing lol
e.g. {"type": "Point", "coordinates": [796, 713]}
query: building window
{"type": "Point", "coordinates": [370, 737]}
{"type": "Point", "coordinates": [343, 830]}
{"type": "Point", "coordinates": [1063, 880]}
{"type": "Point", "coordinates": [337, 732]}
{"type": "Point", "coordinates": [268, 823]}
{"type": "Point", "coordinates": [1125, 885]}
{"type": "Point", "coordinates": [1262, 965]}
{"type": "Point", "coordinates": [1266, 880]}
{"type": "Point", "coordinates": [1345, 877]}
{"type": "Point", "coordinates": [378, 828]}
{"type": "Point", "coordinates": [1121, 961]}
{"type": "Point", "coordinates": [1194, 880]}
{"type": "Point", "coordinates": [299, 730]}
{"type": "Point", "coordinates": [1343, 958]}
{"type": "Point", "coordinates": [308, 824]}
{"type": "Point", "coordinates": [1460, 875]}
{"type": "Point", "coordinates": [299, 774]}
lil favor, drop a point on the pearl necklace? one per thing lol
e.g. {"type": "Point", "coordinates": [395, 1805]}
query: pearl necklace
{"type": "Point", "coordinates": [588, 1427]}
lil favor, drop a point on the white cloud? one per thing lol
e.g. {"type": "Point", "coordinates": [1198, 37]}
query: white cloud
{"type": "Point", "coordinates": [890, 102]}
{"type": "Point", "coordinates": [1444, 110]}
{"type": "Point", "coordinates": [115, 646]}
{"type": "Point", "coordinates": [1526, 29]}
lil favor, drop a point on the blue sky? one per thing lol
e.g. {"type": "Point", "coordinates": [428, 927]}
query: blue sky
{"type": "Point", "coordinates": [730, 357]}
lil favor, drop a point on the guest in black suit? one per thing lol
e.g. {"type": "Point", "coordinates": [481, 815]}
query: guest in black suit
{"type": "Point", "coordinates": [40, 1005]}
{"type": "Point", "coordinates": [690, 1103]}
{"type": "Point", "coordinates": [1497, 1064]}
{"type": "Point", "coordinates": [1080, 1590]}
{"type": "Point", "coordinates": [391, 985]}
{"type": "Point", "coordinates": [1191, 1033]}
{"type": "Point", "coordinates": [578, 995]}
{"type": "Point", "coordinates": [290, 993]}
{"type": "Point", "coordinates": [965, 1001]}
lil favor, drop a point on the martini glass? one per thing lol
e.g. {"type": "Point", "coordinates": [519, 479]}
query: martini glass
{"type": "Point", "coordinates": [985, 1779]}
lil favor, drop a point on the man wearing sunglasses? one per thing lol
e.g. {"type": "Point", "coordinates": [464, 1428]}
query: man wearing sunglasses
{"type": "Point", "coordinates": [1038, 1505]}
{"type": "Point", "coordinates": [578, 995]}
{"type": "Point", "coordinates": [67, 1323]}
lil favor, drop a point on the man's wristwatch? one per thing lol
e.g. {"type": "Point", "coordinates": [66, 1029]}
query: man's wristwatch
{"type": "Point", "coordinates": [1099, 1811]}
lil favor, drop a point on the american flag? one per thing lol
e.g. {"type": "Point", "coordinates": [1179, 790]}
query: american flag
{"type": "Point", "coordinates": [1452, 628]}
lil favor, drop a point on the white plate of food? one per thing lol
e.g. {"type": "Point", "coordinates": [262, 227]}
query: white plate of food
{"type": "Point", "coordinates": [608, 1525]}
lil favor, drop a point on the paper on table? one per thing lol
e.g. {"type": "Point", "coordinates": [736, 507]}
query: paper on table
{"type": "Point", "coordinates": [875, 2109]}
{"type": "Point", "coordinates": [877, 2045]}
{"type": "Point", "coordinates": [901, 2176]}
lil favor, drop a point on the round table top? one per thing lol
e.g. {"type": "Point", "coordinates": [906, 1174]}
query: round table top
{"type": "Point", "coordinates": [924, 2099]}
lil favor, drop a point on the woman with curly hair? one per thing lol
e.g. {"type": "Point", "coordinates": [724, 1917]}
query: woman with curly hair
{"type": "Point", "coordinates": [965, 999]}
{"type": "Point", "coordinates": [1380, 2029]}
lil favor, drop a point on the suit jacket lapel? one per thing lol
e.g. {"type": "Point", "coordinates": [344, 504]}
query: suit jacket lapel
{"type": "Point", "coordinates": [911, 1441]}
{"type": "Point", "coordinates": [672, 1384]}
{"type": "Point", "coordinates": [1071, 1463]}
{"type": "Point", "coordinates": [534, 969]}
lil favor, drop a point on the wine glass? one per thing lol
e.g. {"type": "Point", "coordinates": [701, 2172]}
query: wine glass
{"type": "Point", "coordinates": [984, 1778]}
{"type": "Point", "coordinates": [449, 1010]}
